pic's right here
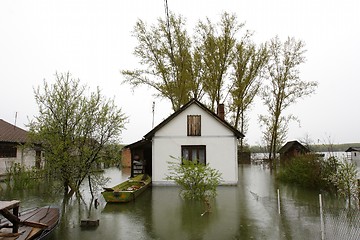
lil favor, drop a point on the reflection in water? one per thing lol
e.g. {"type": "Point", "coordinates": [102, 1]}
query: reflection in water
{"type": "Point", "coordinates": [246, 211]}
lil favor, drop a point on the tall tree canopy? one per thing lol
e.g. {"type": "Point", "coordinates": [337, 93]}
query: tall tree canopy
{"type": "Point", "coordinates": [216, 66]}
{"type": "Point", "coordinates": [73, 127]}
{"type": "Point", "coordinates": [170, 65]}
{"type": "Point", "coordinates": [216, 43]}
{"type": "Point", "coordinates": [248, 64]}
{"type": "Point", "coordinates": [283, 89]}
{"type": "Point", "coordinates": [180, 67]}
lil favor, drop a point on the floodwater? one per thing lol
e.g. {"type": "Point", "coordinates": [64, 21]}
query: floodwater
{"type": "Point", "coordinates": [246, 211]}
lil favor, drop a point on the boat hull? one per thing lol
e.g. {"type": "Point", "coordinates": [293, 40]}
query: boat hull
{"type": "Point", "coordinates": [128, 190]}
{"type": "Point", "coordinates": [47, 218]}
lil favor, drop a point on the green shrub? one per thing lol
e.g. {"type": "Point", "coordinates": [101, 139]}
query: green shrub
{"type": "Point", "coordinates": [20, 177]}
{"type": "Point", "coordinates": [197, 181]}
{"type": "Point", "coordinates": [304, 170]}
{"type": "Point", "coordinates": [328, 174]}
{"type": "Point", "coordinates": [344, 179]}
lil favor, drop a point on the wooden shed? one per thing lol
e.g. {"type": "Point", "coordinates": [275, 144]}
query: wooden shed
{"type": "Point", "coordinates": [292, 149]}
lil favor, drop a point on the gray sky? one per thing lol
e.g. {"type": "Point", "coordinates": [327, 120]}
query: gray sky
{"type": "Point", "coordinates": [92, 40]}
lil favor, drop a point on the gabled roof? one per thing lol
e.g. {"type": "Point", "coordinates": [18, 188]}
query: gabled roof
{"type": "Point", "coordinates": [353, 149]}
{"type": "Point", "coordinates": [293, 144]}
{"type": "Point", "coordinates": [236, 132]}
{"type": "Point", "coordinates": [11, 133]}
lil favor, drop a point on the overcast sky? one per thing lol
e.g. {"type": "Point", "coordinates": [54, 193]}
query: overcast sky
{"type": "Point", "coordinates": [92, 40]}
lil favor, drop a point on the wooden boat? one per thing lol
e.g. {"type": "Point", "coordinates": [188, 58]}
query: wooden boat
{"type": "Point", "coordinates": [33, 224]}
{"type": "Point", "coordinates": [128, 190]}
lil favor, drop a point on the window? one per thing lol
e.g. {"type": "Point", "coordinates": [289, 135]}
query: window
{"type": "Point", "coordinates": [194, 153]}
{"type": "Point", "coordinates": [8, 151]}
{"type": "Point", "coordinates": [194, 125]}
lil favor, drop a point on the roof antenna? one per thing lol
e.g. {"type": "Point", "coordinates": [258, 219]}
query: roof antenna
{"type": "Point", "coordinates": [15, 120]}
{"type": "Point", "coordinates": [153, 112]}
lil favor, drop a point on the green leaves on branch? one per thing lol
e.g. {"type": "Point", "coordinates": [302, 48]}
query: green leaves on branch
{"type": "Point", "coordinates": [284, 88]}
{"type": "Point", "coordinates": [170, 65]}
{"type": "Point", "coordinates": [179, 66]}
{"type": "Point", "coordinates": [73, 127]}
{"type": "Point", "coordinates": [345, 181]}
{"type": "Point", "coordinates": [329, 174]}
{"type": "Point", "coordinates": [222, 64]}
{"type": "Point", "coordinates": [197, 181]}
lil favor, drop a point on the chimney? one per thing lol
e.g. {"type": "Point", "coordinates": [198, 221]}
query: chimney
{"type": "Point", "coordinates": [220, 111]}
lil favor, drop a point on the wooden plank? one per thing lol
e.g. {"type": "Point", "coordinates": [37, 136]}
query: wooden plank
{"type": "Point", "coordinates": [8, 215]}
{"type": "Point", "coordinates": [34, 232]}
{"type": "Point", "coordinates": [6, 235]}
{"type": "Point", "coordinates": [9, 204]}
{"type": "Point", "coordinates": [25, 234]}
{"type": "Point", "coordinates": [5, 225]}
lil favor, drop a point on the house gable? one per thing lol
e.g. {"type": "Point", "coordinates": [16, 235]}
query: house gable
{"type": "Point", "coordinates": [216, 144]}
{"type": "Point", "coordinates": [177, 127]}
{"type": "Point", "coordinates": [195, 108]}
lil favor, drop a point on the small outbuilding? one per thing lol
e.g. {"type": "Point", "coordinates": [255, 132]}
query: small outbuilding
{"type": "Point", "coordinates": [353, 153]}
{"type": "Point", "coordinates": [292, 149]}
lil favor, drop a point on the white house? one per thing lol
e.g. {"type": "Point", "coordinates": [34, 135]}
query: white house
{"type": "Point", "coordinates": [353, 153]}
{"type": "Point", "coordinates": [12, 150]}
{"type": "Point", "coordinates": [192, 132]}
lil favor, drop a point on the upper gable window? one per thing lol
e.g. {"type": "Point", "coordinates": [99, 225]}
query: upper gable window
{"type": "Point", "coordinates": [194, 125]}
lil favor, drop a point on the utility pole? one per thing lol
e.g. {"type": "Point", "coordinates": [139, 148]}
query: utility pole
{"type": "Point", "coordinates": [153, 114]}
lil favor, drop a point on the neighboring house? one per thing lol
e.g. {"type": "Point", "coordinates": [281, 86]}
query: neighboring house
{"type": "Point", "coordinates": [292, 149]}
{"type": "Point", "coordinates": [12, 150]}
{"type": "Point", "coordinates": [353, 153]}
{"type": "Point", "coordinates": [194, 133]}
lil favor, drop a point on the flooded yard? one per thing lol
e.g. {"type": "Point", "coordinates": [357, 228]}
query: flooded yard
{"type": "Point", "coordinates": [246, 211]}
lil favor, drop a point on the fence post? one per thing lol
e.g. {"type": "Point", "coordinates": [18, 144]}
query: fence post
{"type": "Point", "coordinates": [358, 183]}
{"type": "Point", "coordinates": [278, 195]}
{"type": "Point", "coordinates": [321, 219]}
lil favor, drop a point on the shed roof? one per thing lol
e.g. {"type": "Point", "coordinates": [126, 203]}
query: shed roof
{"type": "Point", "coordinates": [353, 149]}
{"type": "Point", "coordinates": [12, 133]}
{"type": "Point", "coordinates": [291, 145]}
{"type": "Point", "coordinates": [236, 132]}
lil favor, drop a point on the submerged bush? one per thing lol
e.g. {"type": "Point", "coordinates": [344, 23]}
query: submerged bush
{"type": "Point", "coordinates": [304, 170]}
{"type": "Point", "coordinates": [327, 174]}
{"type": "Point", "coordinates": [197, 181]}
{"type": "Point", "coordinates": [20, 177]}
{"type": "Point", "coordinates": [344, 179]}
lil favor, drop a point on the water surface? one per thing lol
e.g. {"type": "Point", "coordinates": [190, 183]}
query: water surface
{"type": "Point", "coordinates": [246, 211]}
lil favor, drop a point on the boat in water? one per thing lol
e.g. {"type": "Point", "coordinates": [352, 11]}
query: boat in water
{"type": "Point", "coordinates": [32, 224]}
{"type": "Point", "coordinates": [128, 190]}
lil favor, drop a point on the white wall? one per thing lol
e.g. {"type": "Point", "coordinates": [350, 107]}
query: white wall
{"type": "Point", "coordinates": [355, 158]}
{"type": "Point", "coordinates": [221, 145]}
{"type": "Point", "coordinates": [25, 157]}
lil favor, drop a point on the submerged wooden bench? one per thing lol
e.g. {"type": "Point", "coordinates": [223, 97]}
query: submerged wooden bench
{"type": "Point", "coordinates": [6, 207]}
